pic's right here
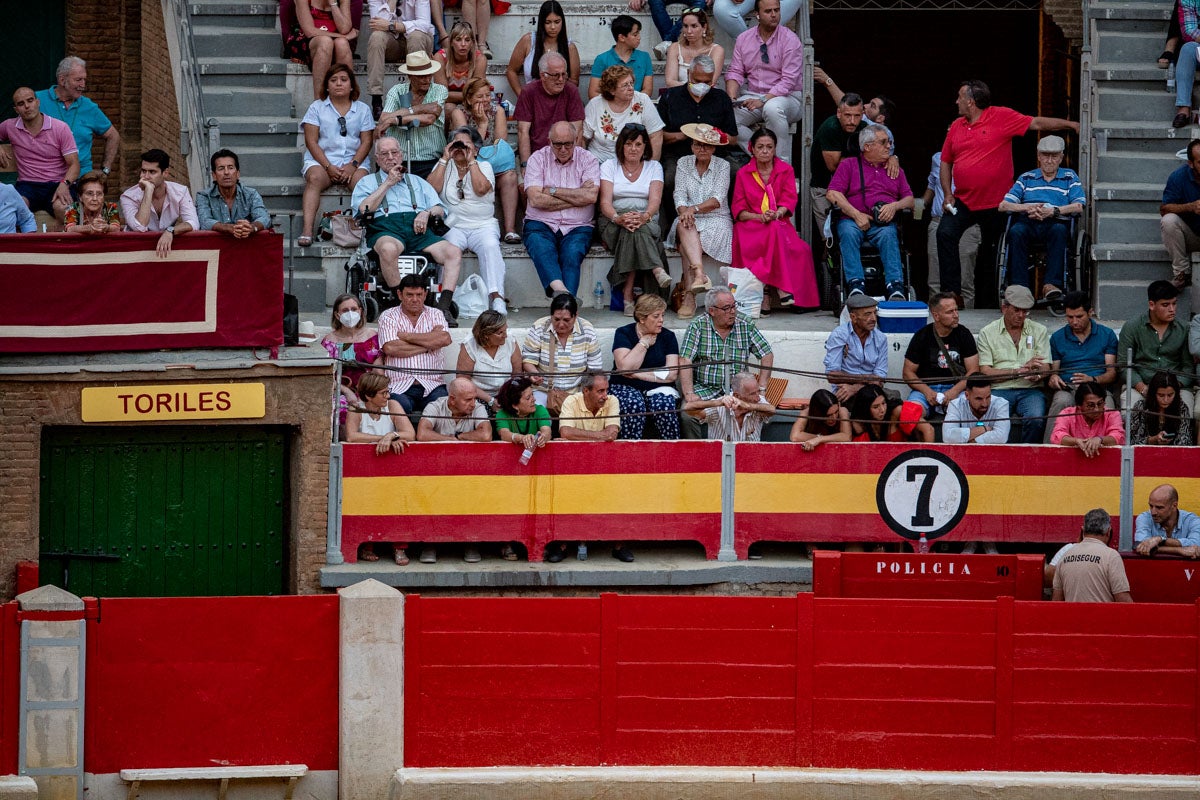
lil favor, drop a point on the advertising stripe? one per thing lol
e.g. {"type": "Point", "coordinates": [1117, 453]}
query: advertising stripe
{"type": "Point", "coordinates": [664, 493]}
{"type": "Point", "coordinates": [1003, 495]}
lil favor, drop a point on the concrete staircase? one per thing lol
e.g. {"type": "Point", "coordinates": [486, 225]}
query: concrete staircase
{"type": "Point", "coordinates": [1132, 151]}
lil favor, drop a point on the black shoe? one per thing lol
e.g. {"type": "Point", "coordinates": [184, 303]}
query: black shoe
{"type": "Point", "coordinates": [556, 554]}
{"type": "Point", "coordinates": [377, 106]}
{"type": "Point", "coordinates": [448, 307]}
{"type": "Point", "coordinates": [623, 554]}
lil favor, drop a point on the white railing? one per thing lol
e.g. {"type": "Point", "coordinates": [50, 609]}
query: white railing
{"type": "Point", "coordinates": [198, 135]}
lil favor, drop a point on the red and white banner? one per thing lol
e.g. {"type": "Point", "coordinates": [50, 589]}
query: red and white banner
{"type": "Point", "coordinates": [68, 293]}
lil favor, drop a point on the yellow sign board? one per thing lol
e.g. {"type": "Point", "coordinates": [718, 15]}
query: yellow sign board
{"type": "Point", "coordinates": [174, 402]}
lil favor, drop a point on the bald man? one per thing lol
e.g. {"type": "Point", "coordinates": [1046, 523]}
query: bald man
{"type": "Point", "coordinates": [1166, 530]}
{"type": "Point", "coordinates": [455, 417]}
{"type": "Point", "coordinates": [46, 154]}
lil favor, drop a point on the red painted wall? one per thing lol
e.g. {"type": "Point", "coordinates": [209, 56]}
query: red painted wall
{"type": "Point", "coordinates": [927, 576]}
{"type": "Point", "coordinates": [825, 682]}
{"type": "Point", "coordinates": [189, 682]}
{"type": "Point", "coordinates": [10, 686]}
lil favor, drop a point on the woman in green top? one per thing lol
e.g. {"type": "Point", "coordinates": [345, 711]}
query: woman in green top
{"type": "Point", "coordinates": [520, 419]}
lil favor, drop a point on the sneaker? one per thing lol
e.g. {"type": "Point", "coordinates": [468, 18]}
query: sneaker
{"type": "Point", "coordinates": [896, 291]}
{"type": "Point", "coordinates": [1182, 280]}
{"type": "Point", "coordinates": [471, 555]}
{"type": "Point", "coordinates": [855, 288]}
{"type": "Point", "coordinates": [623, 554]}
{"type": "Point", "coordinates": [428, 555]}
{"type": "Point", "coordinates": [990, 549]}
{"type": "Point", "coordinates": [660, 50]}
{"type": "Point", "coordinates": [969, 548]}
{"type": "Point", "coordinates": [499, 306]}
{"type": "Point", "coordinates": [487, 51]}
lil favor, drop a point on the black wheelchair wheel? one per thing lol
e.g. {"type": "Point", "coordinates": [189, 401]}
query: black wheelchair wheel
{"type": "Point", "coordinates": [370, 306]}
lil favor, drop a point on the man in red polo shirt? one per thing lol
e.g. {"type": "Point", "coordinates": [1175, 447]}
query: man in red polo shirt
{"type": "Point", "coordinates": [977, 162]}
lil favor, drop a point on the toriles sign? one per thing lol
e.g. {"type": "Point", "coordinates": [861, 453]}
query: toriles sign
{"type": "Point", "coordinates": [179, 401]}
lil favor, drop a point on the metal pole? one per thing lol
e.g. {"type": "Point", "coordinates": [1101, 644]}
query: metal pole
{"type": "Point", "coordinates": [1126, 531]}
{"type": "Point", "coordinates": [728, 478]}
{"type": "Point", "coordinates": [333, 533]}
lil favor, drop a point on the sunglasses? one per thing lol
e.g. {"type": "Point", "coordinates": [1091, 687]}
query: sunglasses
{"type": "Point", "coordinates": [694, 10]}
{"type": "Point", "coordinates": [459, 185]}
{"type": "Point", "coordinates": [635, 126]}
{"type": "Point", "coordinates": [562, 144]}
{"type": "Point", "coordinates": [342, 125]}
{"type": "Point", "coordinates": [762, 53]}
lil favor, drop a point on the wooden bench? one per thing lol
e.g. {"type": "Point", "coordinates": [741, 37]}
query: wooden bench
{"type": "Point", "coordinates": [292, 772]}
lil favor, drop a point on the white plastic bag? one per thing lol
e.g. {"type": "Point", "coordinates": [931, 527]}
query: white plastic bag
{"type": "Point", "coordinates": [472, 297]}
{"type": "Point", "coordinates": [747, 290]}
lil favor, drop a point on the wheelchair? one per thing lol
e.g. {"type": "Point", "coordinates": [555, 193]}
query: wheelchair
{"type": "Point", "coordinates": [832, 279]}
{"type": "Point", "coordinates": [364, 278]}
{"type": "Point", "coordinates": [1079, 270]}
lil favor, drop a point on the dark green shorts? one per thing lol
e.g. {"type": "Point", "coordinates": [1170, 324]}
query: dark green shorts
{"type": "Point", "coordinates": [400, 226]}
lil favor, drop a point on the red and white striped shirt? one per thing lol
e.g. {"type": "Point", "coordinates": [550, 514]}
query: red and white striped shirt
{"type": "Point", "coordinates": [394, 322]}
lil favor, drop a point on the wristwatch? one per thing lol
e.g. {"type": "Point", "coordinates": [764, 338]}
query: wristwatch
{"type": "Point", "coordinates": [171, 229]}
{"type": "Point", "coordinates": [553, 190]}
{"type": "Point", "coordinates": [106, 170]}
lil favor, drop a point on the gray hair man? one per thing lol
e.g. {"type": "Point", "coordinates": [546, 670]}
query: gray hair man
{"type": "Point", "coordinates": [549, 99]}
{"type": "Point", "coordinates": [738, 416]}
{"type": "Point", "coordinates": [65, 101]}
{"type": "Point", "coordinates": [1091, 571]}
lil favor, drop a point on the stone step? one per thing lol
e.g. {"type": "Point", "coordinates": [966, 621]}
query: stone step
{"type": "Point", "coordinates": [1129, 227]}
{"type": "Point", "coordinates": [1131, 167]}
{"type": "Point", "coordinates": [1127, 41]}
{"type": "Point", "coordinates": [1148, 192]}
{"type": "Point", "coordinates": [248, 15]}
{"type": "Point", "coordinates": [1123, 253]}
{"type": "Point", "coordinates": [1126, 298]}
{"type": "Point", "coordinates": [272, 160]}
{"type": "Point", "coordinates": [1118, 130]}
{"type": "Point", "coordinates": [217, 40]}
{"type": "Point", "coordinates": [278, 132]}
{"type": "Point", "coordinates": [1138, 71]}
{"type": "Point", "coordinates": [1134, 105]}
{"type": "Point", "coordinates": [229, 101]}
{"type": "Point", "coordinates": [1129, 11]}
{"type": "Point", "coordinates": [242, 71]}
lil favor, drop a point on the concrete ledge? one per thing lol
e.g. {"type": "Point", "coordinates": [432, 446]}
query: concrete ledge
{"type": "Point", "coordinates": [700, 783]}
{"type": "Point", "coordinates": [17, 787]}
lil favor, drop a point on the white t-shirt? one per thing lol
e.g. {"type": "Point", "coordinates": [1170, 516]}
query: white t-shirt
{"type": "Point", "coordinates": [472, 211]}
{"type": "Point", "coordinates": [630, 194]}
{"type": "Point", "coordinates": [602, 125]}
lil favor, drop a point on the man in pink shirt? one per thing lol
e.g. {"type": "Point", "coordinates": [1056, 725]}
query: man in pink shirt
{"type": "Point", "coordinates": [47, 158]}
{"type": "Point", "coordinates": [1088, 425]}
{"type": "Point", "coordinates": [562, 182]}
{"type": "Point", "coordinates": [766, 78]}
{"type": "Point", "coordinates": [157, 204]}
{"type": "Point", "coordinates": [412, 336]}
{"type": "Point", "coordinates": [976, 172]}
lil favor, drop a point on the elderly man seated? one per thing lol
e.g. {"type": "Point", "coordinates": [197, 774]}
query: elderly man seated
{"type": "Point", "coordinates": [591, 414]}
{"type": "Point", "coordinates": [1043, 198]}
{"type": "Point", "coordinates": [856, 353]}
{"type": "Point", "coordinates": [869, 201]}
{"type": "Point", "coordinates": [455, 417]}
{"type": "Point", "coordinates": [1087, 424]}
{"type": "Point", "coordinates": [735, 417]}
{"type": "Point", "coordinates": [1165, 529]}
{"type": "Point", "coordinates": [15, 216]}
{"type": "Point", "coordinates": [402, 206]}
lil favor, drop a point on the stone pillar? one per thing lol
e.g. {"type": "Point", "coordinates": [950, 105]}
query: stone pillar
{"type": "Point", "coordinates": [52, 670]}
{"type": "Point", "coordinates": [371, 690]}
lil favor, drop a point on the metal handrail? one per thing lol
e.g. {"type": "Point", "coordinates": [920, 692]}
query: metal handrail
{"type": "Point", "coordinates": [198, 134]}
{"type": "Point", "coordinates": [1089, 151]}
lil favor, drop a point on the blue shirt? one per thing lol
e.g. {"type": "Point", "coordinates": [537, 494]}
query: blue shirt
{"type": "Point", "coordinates": [639, 62]}
{"type": "Point", "coordinates": [15, 216]}
{"type": "Point", "coordinates": [247, 204]}
{"type": "Point", "coordinates": [1187, 529]}
{"type": "Point", "coordinates": [1183, 187]}
{"type": "Point", "coordinates": [84, 118]}
{"type": "Point", "coordinates": [845, 352]}
{"type": "Point", "coordinates": [398, 198]}
{"type": "Point", "coordinates": [1031, 187]}
{"type": "Point", "coordinates": [1086, 356]}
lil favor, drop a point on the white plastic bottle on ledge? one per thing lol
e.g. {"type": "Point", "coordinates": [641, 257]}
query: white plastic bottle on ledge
{"type": "Point", "coordinates": [923, 544]}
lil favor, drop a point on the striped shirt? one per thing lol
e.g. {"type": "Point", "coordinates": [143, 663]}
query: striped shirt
{"type": "Point", "coordinates": [702, 343]}
{"type": "Point", "coordinates": [1031, 187]}
{"type": "Point", "coordinates": [427, 141]}
{"type": "Point", "coordinates": [581, 353]}
{"type": "Point", "coordinates": [723, 426]}
{"type": "Point", "coordinates": [394, 322]}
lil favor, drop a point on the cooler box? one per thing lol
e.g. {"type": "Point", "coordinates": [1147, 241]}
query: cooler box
{"type": "Point", "coordinates": [903, 316]}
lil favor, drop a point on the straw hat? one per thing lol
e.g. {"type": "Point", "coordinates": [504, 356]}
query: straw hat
{"type": "Point", "coordinates": [705, 134]}
{"type": "Point", "coordinates": [418, 62]}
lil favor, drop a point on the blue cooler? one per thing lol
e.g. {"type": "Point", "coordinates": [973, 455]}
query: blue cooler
{"type": "Point", "coordinates": [903, 316]}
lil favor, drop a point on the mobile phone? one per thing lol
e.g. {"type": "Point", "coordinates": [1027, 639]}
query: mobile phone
{"type": "Point", "coordinates": [1167, 435]}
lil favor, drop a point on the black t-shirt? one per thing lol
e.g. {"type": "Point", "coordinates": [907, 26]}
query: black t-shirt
{"type": "Point", "coordinates": [625, 337]}
{"type": "Point", "coordinates": [923, 350]}
{"type": "Point", "coordinates": [830, 137]}
{"type": "Point", "coordinates": [678, 108]}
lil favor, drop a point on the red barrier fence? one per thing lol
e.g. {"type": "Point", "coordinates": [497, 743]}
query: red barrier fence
{"type": "Point", "coordinates": [10, 686]}
{"type": "Point", "coordinates": [237, 681]}
{"type": "Point", "coordinates": [804, 681]}
{"type": "Point", "coordinates": [115, 293]}
{"type": "Point", "coordinates": [1162, 580]}
{"type": "Point", "coordinates": [928, 576]}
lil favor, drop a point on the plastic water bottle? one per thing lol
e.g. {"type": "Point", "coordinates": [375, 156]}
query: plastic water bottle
{"type": "Point", "coordinates": [582, 554]}
{"type": "Point", "coordinates": [526, 454]}
{"type": "Point", "coordinates": [598, 295]}
{"type": "Point", "coordinates": [1171, 78]}
{"type": "Point", "coordinates": [923, 544]}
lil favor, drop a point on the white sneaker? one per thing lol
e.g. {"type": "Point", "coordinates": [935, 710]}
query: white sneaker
{"type": "Point", "coordinates": [969, 548]}
{"type": "Point", "coordinates": [990, 549]}
{"type": "Point", "coordinates": [499, 306]}
{"type": "Point", "coordinates": [660, 50]}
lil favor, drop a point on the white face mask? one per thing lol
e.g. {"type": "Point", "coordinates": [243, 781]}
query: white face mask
{"type": "Point", "coordinates": [699, 89]}
{"type": "Point", "coordinates": [349, 318]}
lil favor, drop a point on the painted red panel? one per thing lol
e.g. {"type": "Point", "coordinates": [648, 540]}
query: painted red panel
{"type": "Point", "coordinates": [905, 751]}
{"type": "Point", "coordinates": [704, 680]}
{"type": "Point", "coordinates": [707, 645]}
{"type": "Point", "coordinates": [563, 614]}
{"type": "Point", "coordinates": [912, 646]}
{"type": "Point", "coordinates": [1136, 718]}
{"type": "Point", "coordinates": [189, 682]}
{"type": "Point", "coordinates": [1092, 753]}
{"type": "Point", "coordinates": [713, 748]}
{"type": "Point", "coordinates": [1161, 579]}
{"type": "Point", "coordinates": [1164, 462]}
{"type": "Point", "coordinates": [682, 611]}
{"type": "Point", "coordinates": [681, 713]}
{"type": "Point", "coordinates": [245, 309]}
{"type": "Point", "coordinates": [1085, 650]}
{"type": "Point", "coordinates": [10, 686]}
{"type": "Point", "coordinates": [966, 717]}
{"type": "Point", "coordinates": [929, 575]}
{"type": "Point", "coordinates": [509, 647]}
{"type": "Point", "coordinates": [868, 615]}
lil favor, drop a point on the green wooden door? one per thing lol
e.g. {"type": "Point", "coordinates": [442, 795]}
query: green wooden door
{"type": "Point", "coordinates": [157, 512]}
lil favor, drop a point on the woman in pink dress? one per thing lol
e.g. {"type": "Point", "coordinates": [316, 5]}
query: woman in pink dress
{"type": "Point", "coordinates": [765, 240]}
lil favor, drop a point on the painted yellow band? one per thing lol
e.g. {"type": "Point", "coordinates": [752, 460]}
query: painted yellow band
{"type": "Point", "coordinates": [439, 495]}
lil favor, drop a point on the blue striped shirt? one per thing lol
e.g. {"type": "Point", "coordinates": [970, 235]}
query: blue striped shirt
{"type": "Point", "coordinates": [1031, 187]}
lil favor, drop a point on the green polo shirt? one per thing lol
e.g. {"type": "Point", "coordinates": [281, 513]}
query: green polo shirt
{"type": "Point", "coordinates": [998, 350]}
{"type": "Point", "coordinates": [1152, 354]}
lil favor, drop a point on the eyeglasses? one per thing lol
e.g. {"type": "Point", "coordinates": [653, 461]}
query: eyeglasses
{"type": "Point", "coordinates": [342, 125]}
{"type": "Point", "coordinates": [725, 308]}
{"type": "Point", "coordinates": [461, 194]}
{"type": "Point", "coordinates": [567, 143]}
{"type": "Point", "coordinates": [762, 53]}
{"type": "Point", "coordinates": [693, 10]}
{"type": "Point", "coordinates": [1093, 406]}
{"type": "Point", "coordinates": [634, 126]}
{"type": "Point", "coordinates": [555, 75]}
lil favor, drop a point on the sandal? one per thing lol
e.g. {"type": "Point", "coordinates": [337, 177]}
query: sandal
{"type": "Point", "coordinates": [1166, 59]}
{"type": "Point", "coordinates": [306, 241]}
{"type": "Point", "coordinates": [1182, 119]}
{"type": "Point", "coordinates": [401, 557]}
{"type": "Point", "coordinates": [664, 279]}
{"type": "Point", "coordinates": [701, 286]}
{"type": "Point", "coordinates": [368, 554]}
{"type": "Point", "coordinates": [512, 237]}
